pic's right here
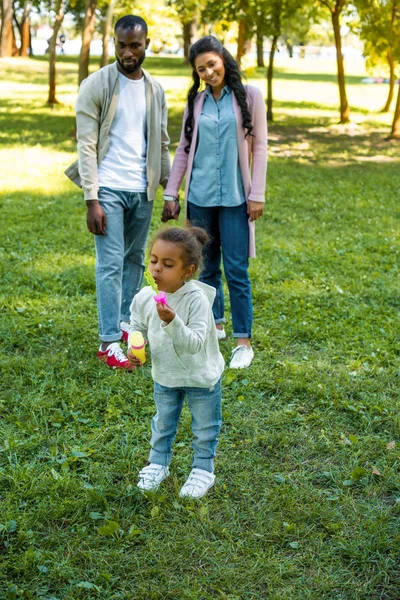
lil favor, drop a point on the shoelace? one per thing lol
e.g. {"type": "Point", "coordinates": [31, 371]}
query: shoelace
{"type": "Point", "coordinates": [117, 352]}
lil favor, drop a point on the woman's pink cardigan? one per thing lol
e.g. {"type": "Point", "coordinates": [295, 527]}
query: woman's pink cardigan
{"type": "Point", "coordinates": [252, 152]}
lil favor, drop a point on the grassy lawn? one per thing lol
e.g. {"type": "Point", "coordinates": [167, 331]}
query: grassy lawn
{"type": "Point", "coordinates": [307, 500]}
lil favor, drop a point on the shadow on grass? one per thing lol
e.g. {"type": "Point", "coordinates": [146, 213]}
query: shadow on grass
{"type": "Point", "coordinates": [307, 105]}
{"type": "Point", "coordinates": [45, 127]}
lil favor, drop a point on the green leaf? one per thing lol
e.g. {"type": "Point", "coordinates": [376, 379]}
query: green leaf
{"type": "Point", "coordinates": [155, 511]}
{"type": "Point", "coordinates": [42, 569]}
{"type": "Point", "coordinates": [280, 478]}
{"type": "Point", "coordinates": [109, 529]}
{"type": "Point", "coordinates": [203, 511]}
{"type": "Point", "coordinates": [294, 545]}
{"type": "Point", "coordinates": [12, 592]}
{"type": "Point", "coordinates": [96, 515]}
{"type": "Point", "coordinates": [87, 585]}
{"type": "Point", "coordinates": [358, 472]}
{"type": "Point", "coordinates": [134, 532]}
{"type": "Point", "coordinates": [12, 526]}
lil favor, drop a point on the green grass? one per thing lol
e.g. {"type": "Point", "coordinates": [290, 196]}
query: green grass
{"type": "Point", "coordinates": [307, 501]}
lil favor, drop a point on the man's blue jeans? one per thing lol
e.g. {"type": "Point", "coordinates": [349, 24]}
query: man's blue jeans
{"type": "Point", "coordinates": [228, 228]}
{"type": "Point", "coordinates": [120, 257]}
{"type": "Point", "coordinates": [205, 407]}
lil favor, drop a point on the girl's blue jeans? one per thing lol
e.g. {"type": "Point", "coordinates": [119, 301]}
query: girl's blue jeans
{"type": "Point", "coordinates": [120, 257]}
{"type": "Point", "coordinates": [205, 407]}
{"type": "Point", "coordinates": [228, 228]}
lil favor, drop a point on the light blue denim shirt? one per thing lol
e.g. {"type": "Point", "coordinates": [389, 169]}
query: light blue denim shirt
{"type": "Point", "coordinates": [216, 179]}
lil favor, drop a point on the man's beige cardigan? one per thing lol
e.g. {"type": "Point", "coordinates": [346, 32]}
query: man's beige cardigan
{"type": "Point", "coordinates": [95, 109]}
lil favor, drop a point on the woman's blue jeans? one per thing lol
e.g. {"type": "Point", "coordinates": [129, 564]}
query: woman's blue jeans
{"type": "Point", "coordinates": [228, 228]}
{"type": "Point", "coordinates": [205, 407]}
{"type": "Point", "coordinates": [120, 257]}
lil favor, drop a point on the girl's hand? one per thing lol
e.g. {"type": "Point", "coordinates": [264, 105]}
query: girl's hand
{"type": "Point", "coordinates": [255, 209]}
{"type": "Point", "coordinates": [165, 313]}
{"type": "Point", "coordinates": [133, 360]}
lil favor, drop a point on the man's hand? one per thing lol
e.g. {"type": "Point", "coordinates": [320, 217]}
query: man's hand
{"type": "Point", "coordinates": [95, 218]}
{"type": "Point", "coordinates": [133, 360]}
{"type": "Point", "coordinates": [171, 210]}
{"type": "Point", "coordinates": [255, 209]}
{"type": "Point", "coordinates": [165, 313]}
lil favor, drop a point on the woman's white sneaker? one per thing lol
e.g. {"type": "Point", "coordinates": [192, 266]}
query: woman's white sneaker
{"type": "Point", "coordinates": [151, 476]}
{"type": "Point", "coordinates": [197, 484]}
{"type": "Point", "coordinates": [241, 357]}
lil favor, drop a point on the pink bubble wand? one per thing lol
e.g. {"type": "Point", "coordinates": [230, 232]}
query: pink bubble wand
{"type": "Point", "coordinates": [160, 296]}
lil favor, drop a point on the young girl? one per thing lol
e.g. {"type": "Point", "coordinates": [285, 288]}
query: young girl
{"type": "Point", "coordinates": [186, 360]}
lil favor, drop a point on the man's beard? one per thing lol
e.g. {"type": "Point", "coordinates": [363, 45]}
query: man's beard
{"type": "Point", "coordinates": [132, 68]}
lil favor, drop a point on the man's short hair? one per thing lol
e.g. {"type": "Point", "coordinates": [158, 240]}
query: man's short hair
{"type": "Point", "coordinates": [131, 22]}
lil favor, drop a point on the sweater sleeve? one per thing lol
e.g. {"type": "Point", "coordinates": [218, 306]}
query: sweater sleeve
{"type": "Point", "coordinates": [165, 160]}
{"type": "Point", "coordinates": [180, 164]}
{"type": "Point", "coordinates": [259, 152]}
{"type": "Point", "coordinates": [191, 337]}
{"type": "Point", "coordinates": [88, 109]}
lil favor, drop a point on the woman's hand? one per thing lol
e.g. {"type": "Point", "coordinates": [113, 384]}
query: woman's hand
{"type": "Point", "coordinates": [255, 209]}
{"type": "Point", "coordinates": [171, 210]}
{"type": "Point", "coordinates": [133, 360]}
{"type": "Point", "coordinates": [165, 313]}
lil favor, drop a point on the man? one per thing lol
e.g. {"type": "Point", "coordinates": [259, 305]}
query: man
{"type": "Point", "coordinates": [121, 116]}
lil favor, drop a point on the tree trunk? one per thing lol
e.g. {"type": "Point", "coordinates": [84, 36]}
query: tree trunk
{"type": "Point", "coordinates": [15, 49]}
{"type": "Point", "coordinates": [87, 35]}
{"type": "Point", "coordinates": [188, 30]}
{"type": "Point", "coordinates": [392, 81]}
{"type": "Point", "coordinates": [241, 40]}
{"type": "Point", "coordinates": [105, 59]}
{"type": "Point", "coordinates": [270, 75]}
{"type": "Point", "coordinates": [344, 105]}
{"type": "Point", "coordinates": [395, 133]}
{"type": "Point", "coordinates": [25, 29]}
{"type": "Point", "coordinates": [6, 43]}
{"type": "Point", "coordinates": [260, 48]}
{"type": "Point", "coordinates": [52, 53]}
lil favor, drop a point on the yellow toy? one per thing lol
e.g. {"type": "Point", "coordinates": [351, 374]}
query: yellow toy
{"type": "Point", "coordinates": [137, 344]}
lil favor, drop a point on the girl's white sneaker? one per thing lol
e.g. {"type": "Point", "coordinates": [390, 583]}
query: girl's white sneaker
{"type": "Point", "coordinates": [151, 476]}
{"type": "Point", "coordinates": [197, 484]}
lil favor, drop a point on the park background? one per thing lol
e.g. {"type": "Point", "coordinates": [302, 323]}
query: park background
{"type": "Point", "coordinates": [307, 500]}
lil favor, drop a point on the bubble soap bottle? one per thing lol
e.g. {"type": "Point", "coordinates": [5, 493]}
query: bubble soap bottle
{"type": "Point", "coordinates": [136, 344]}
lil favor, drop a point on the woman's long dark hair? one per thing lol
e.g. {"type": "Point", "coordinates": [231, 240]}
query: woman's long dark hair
{"type": "Point", "coordinates": [232, 79]}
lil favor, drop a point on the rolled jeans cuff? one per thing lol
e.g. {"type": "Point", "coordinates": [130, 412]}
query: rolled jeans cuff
{"type": "Point", "coordinates": [207, 464]}
{"type": "Point", "coordinates": [160, 458]}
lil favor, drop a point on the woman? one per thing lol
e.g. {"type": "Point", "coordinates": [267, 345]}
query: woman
{"type": "Point", "coordinates": [224, 132]}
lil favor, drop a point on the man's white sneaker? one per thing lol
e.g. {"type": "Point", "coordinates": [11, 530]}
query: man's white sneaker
{"type": "Point", "coordinates": [151, 476]}
{"type": "Point", "coordinates": [241, 357]}
{"type": "Point", "coordinates": [197, 484]}
{"type": "Point", "coordinates": [221, 335]}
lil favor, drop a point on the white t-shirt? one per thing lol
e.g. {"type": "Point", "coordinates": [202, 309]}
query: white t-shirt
{"type": "Point", "coordinates": [124, 165]}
